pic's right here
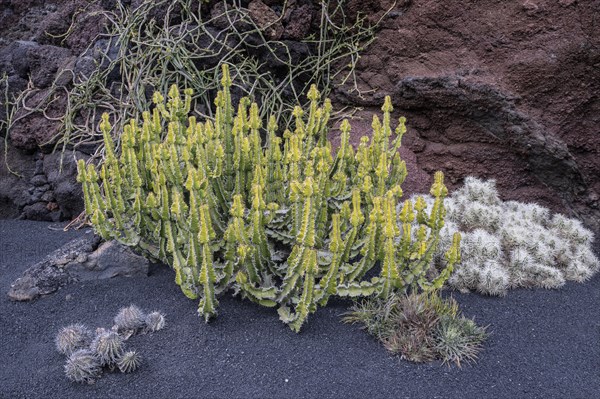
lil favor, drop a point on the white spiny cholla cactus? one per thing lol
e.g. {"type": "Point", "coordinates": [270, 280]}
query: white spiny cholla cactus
{"type": "Point", "coordinates": [493, 278]}
{"type": "Point", "coordinates": [480, 245]}
{"type": "Point", "coordinates": [476, 205]}
{"type": "Point", "coordinates": [525, 271]}
{"type": "Point", "coordinates": [521, 212]}
{"type": "Point", "coordinates": [512, 244]}
{"type": "Point", "coordinates": [571, 229]}
{"type": "Point", "coordinates": [583, 266]}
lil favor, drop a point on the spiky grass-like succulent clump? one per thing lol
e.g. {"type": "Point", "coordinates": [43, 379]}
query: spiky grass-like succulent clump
{"type": "Point", "coordinates": [512, 244]}
{"type": "Point", "coordinates": [413, 320]}
{"type": "Point", "coordinates": [458, 339]}
{"type": "Point", "coordinates": [155, 321]}
{"type": "Point", "coordinates": [129, 362]}
{"type": "Point", "coordinates": [130, 318]}
{"type": "Point", "coordinates": [414, 327]}
{"type": "Point", "coordinates": [72, 338]}
{"type": "Point", "coordinates": [83, 366]}
{"type": "Point", "coordinates": [109, 347]}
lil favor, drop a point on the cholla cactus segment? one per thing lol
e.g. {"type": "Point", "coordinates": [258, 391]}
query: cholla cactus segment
{"type": "Point", "coordinates": [130, 318]}
{"type": "Point", "coordinates": [479, 246]}
{"type": "Point", "coordinates": [526, 212]}
{"type": "Point", "coordinates": [108, 347]}
{"type": "Point", "coordinates": [512, 244]}
{"type": "Point", "coordinates": [571, 230]}
{"type": "Point", "coordinates": [493, 279]}
{"type": "Point", "coordinates": [72, 338]}
{"type": "Point", "coordinates": [479, 191]}
{"type": "Point", "coordinates": [228, 210]}
{"type": "Point", "coordinates": [588, 259]}
{"type": "Point", "coordinates": [579, 271]}
{"type": "Point", "coordinates": [476, 215]}
{"type": "Point", "coordinates": [83, 366]}
{"type": "Point", "coordinates": [129, 362]}
{"type": "Point", "coordinates": [155, 321]}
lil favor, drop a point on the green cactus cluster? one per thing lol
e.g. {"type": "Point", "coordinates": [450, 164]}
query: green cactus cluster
{"type": "Point", "coordinates": [283, 220]}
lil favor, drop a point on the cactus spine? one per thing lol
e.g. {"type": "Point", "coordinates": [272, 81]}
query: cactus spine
{"type": "Point", "coordinates": [72, 338]}
{"type": "Point", "coordinates": [108, 347]}
{"type": "Point", "coordinates": [130, 318]}
{"type": "Point", "coordinates": [285, 223]}
{"type": "Point", "coordinates": [129, 362]}
{"type": "Point", "coordinates": [83, 366]}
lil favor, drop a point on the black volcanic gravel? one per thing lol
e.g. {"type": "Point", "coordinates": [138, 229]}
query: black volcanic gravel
{"type": "Point", "coordinates": [544, 344]}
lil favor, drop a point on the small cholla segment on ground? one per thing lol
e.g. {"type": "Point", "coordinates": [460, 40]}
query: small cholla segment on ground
{"type": "Point", "coordinates": [88, 355]}
{"type": "Point", "coordinates": [512, 244]}
{"type": "Point", "coordinates": [130, 318]}
{"type": "Point", "coordinates": [155, 321]}
{"type": "Point", "coordinates": [83, 366]}
{"type": "Point", "coordinates": [71, 338]}
{"type": "Point", "coordinates": [129, 362]}
{"type": "Point", "coordinates": [108, 346]}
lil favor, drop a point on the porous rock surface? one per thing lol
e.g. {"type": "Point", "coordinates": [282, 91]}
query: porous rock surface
{"type": "Point", "coordinates": [84, 258]}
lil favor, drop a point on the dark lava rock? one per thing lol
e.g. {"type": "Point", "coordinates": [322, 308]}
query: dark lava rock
{"type": "Point", "coordinates": [82, 259]}
{"type": "Point", "coordinates": [110, 259]}
{"type": "Point", "coordinates": [21, 56]}
{"type": "Point", "coordinates": [299, 24]}
{"type": "Point", "coordinates": [98, 57]}
{"type": "Point", "coordinates": [284, 52]}
{"type": "Point", "coordinates": [223, 16]}
{"type": "Point", "coordinates": [49, 275]}
{"type": "Point", "coordinates": [266, 19]}
{"type": "Point", "coordinates": [213, 44]}
{"type": "Point", "coordinates": [16, 171]}
{"type": "Point", "coordinates": [40, 211]}
{"type": "Point", "coordinates": [39, 180]}
{"type": "Point", "coordinates": [34, 129]}
{"type": "Point", "coordinates": [42, 63]}
{"type": "Point", "coordinates": [61, 171]}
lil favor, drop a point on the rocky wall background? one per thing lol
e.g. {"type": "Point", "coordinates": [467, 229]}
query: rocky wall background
{"type": "Point", "coordinates": [494, 89]}
{"type": "Point", "coordinates": [497, 89]}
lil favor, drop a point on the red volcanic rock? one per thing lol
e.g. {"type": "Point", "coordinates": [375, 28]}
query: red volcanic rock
{"type": "Point", "coordinates": [503, 90]}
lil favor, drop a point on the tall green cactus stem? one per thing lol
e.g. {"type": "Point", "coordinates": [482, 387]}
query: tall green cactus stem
{"type": "Point", "coordinates": [283, 221]}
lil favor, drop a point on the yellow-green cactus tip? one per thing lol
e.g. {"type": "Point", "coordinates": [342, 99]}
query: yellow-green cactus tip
{"type": "Point", "coordinates": [157, 98]}
{"type": "Point", "coordinates": [387, 104]}
{"type": "Point", "coordinates": [313, 93]}
{"type": "Point", "coordinates": [345, 126]}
